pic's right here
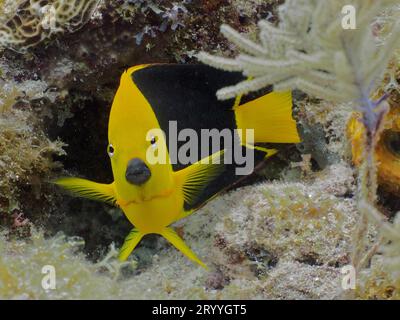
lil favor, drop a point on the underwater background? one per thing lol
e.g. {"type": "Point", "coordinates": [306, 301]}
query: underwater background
{"type": "Point", "coordinates": [286, 232]}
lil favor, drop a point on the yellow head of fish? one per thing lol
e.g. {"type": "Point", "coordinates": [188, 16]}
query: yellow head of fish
{"type": "Point", "coordinates": [137, 146]}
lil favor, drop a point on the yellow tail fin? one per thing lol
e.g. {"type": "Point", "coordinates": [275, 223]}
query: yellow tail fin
{"type": "Point", "coordinates": [271, 118]}
{"type": "Point", "coordinates": [178, 243]}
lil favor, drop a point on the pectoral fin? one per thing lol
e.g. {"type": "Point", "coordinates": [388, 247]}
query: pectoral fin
{"type": "Point", "coordinates": [88, 189]}
{"type": "Point", "coordinates": [178, 243]}
{"type": "Point", "coordinates": [131, 241]}
{"type": "Point", "coordinates": [193, 179]}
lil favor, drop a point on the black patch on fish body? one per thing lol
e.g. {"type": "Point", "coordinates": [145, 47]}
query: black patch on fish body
{"type": "Point", "coordinates": [187, 94]}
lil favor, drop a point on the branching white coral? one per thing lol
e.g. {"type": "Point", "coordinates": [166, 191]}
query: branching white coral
{"type": "Point", "coordinates": [36, 20]}
{"type": "Point", "coordinates": [311, 51]}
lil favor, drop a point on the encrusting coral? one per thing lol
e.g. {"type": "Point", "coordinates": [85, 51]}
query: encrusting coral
{"type": "Point", "coordinates": [280, 224]}
{"type": "Point", "coordinates": [280, 240]}
{"type": "Point", "coordinates": [26, 153]}
{"type": "Point", "coordinates": [75, 277]}
{"type": "Point", "coordinates": [22, 151]}
{"type": "Point", "coordinates": [382, 279]}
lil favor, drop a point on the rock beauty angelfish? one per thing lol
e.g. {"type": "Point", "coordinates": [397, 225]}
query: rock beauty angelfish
{"type": "Point", "coordinates": [155, 195]}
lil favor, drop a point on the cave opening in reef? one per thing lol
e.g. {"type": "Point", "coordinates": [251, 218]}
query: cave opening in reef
{"type": "Point", "coordinates": [84, 131]}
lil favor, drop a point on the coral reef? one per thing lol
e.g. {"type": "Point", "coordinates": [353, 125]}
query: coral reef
{"type": "Point", "coordinates": [76, 278]}
{"type": "Point", "coordinates": [287, 238]}
{"type": "Point", "coordinates": [59, 85]}
{"type": "Point", "coordinates": [252, 239]}
{"type": "Point", "coordinates": [278, 226]}
{"type": "Point", "coordinates": [26, 153]}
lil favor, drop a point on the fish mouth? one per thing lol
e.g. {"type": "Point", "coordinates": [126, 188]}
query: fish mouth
{"type": "Point", "coordinates": [137, 172]}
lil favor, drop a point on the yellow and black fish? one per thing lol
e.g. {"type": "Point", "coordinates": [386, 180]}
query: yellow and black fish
{"type": "Point", "coordinates": [151, 98]}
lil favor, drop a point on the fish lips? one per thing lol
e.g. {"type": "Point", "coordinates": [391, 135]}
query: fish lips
{"type": "Point", "coordinates": [137, 172]}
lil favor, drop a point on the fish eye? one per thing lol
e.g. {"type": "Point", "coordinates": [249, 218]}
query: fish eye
{"type": "Point", "coordinates": [153, 142]}
{"type": "Point", "coordinates": [110, 150]}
